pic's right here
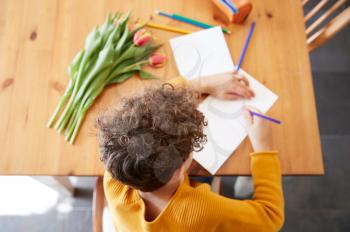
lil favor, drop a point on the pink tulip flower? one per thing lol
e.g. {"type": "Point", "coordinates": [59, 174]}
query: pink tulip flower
{"type": "Point", "coordinates": [141, 37]}
{"type": "Point", "coordinates": [157, 60]}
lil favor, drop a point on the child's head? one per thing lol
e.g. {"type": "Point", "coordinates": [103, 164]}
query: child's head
{"type": "Point", "coordinates": [144, 142]}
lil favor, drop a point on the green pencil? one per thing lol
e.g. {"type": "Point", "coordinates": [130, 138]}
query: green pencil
{"type": "Point", "coordinates": [189, 21]}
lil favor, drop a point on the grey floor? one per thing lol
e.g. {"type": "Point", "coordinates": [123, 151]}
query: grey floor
{"type": "Point", "coordinates": [312, 203]}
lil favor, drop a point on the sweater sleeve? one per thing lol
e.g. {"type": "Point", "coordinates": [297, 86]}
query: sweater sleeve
{"type": "Point", "coordinates": [265, 212]}
{"type": "Point", "coordinates": [268, 198]}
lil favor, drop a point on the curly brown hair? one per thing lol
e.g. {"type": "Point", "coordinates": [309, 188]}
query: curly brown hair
{"type": "Point", "coordinates": [150, 136]}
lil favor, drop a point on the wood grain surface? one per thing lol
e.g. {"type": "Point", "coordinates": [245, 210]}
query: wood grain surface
{"type": "Point", "coordinates": [38, 39]}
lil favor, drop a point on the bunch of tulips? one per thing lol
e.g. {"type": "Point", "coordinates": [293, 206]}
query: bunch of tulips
{"type": "Point", "coordinates": [113, 52]}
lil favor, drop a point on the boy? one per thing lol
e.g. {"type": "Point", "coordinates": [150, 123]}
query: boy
{"type": "Point", "coordinates": [146, 148]}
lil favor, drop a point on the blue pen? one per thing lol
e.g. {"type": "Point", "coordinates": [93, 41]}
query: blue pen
{"type": "Point", "coordinates": [230, 5]}
{"type": "Point", "coordinates": [265, 117]}
{"type": "Point", "coordinates": [188, 20]}
{"type": "Point", "coordinates": [164, 14]}
{"type": "Point", "coordinates": [245, 46]}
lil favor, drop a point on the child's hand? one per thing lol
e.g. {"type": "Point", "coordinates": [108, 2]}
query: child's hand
{"type": "Point", "coordinates": [258, 131]}
{"type": "Point", "coordinates": [229, 86]}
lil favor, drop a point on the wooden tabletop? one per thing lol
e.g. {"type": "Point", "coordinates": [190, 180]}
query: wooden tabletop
{"type": "Point", "coordinates": [38, 39]}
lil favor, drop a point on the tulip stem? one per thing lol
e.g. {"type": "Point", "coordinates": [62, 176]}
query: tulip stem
{"type": "Point", "coordinates": [111, 54]}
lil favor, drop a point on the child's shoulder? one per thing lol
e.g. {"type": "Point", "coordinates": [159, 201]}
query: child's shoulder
{"type": "Point", "coordinates": [118, 192]}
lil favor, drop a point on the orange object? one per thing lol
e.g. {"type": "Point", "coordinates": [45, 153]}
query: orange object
{"type": "Point", "coordinates": [224, 14]}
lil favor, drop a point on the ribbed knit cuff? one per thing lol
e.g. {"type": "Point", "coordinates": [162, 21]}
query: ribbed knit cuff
{"type": "Point", "coordinates": [264, 153]}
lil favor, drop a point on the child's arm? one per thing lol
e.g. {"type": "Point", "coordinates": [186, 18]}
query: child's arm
{"type": "Point", "coordinates": [229, 85]}
{"type": "Point", "coordinates": [268, 202]}
{"type": "Point", "coordinates": [268, 196]}
{"type": "Point", "coordinates": [265, 212]}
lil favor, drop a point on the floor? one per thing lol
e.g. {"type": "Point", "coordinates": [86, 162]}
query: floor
{"type": "Point", "coordinates": [312, 203]}
{"type": "Point", "coordinates": [28, 205]}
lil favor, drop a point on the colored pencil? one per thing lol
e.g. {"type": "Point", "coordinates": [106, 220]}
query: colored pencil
{"type": "Point", "coordinates": [230, 5]}
{"type": "Point", "coordinates": [245, 46]}
{"type": "Point", "coordinates": [167, 28]}
{"type": "Point", "coordinates": [265, 117]}
{"type": "Point", "coordinates": [163, 14]}
{"type": "Point", "coordinates": [189, 20]}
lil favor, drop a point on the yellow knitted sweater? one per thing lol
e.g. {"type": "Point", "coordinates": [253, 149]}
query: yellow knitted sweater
{"type": "Point", "coordinates": [194, 207]}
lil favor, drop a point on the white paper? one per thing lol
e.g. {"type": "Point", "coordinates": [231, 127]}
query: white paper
{"type": "Point", "coordinates": [205, 53]}
{"type": "Point", "coordinates": [202, 53]}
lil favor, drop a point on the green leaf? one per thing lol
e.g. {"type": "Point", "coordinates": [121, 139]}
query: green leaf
{"type": "Point", "coordinates": [96, 84]}
{"type": "Point", "coordinates": [105, 60]}
{"type": "Point", "coordinates": [115, 17]}
{"type": "Point", "coordinates": [140, 51]}
{"type": "Point", "coordinates": [125, 19]}
{"type": "Point", "coordinates": [120, 78]}
{"type": "Point", "coordinates": [134, 67]}
{"type": "Point", "coordinates": [93, 40]}
{"type": "Point", "coordinates": [121, 41]}
{"type": "Point", "coordinates": [132, 32]}
{"type": "Point", "coordinates": [146, 75]}
{"type": "Point", "coordinates": [145, 52]}
{"type": "Point", "coordinates": [113, 37]}
{"type": "Point", "coordinates": [74, 66]}
{"type": "Point", "coordinates": [105, 29]}
{"type": "Point", "coordinates": [127, 54]}
{"type": "Point", "coordinates": [92, 46]}
{"type": "Point", "coordinates": [123, 64]}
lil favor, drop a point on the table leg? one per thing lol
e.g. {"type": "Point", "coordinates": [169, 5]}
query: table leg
{"type": "Point", "coordinates": [216, 185]}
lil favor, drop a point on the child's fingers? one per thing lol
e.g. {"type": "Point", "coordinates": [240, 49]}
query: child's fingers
{"type": "Point", "coordinates": [242, 90]}
{"type": "Point", "coordinates": [255, 120]}
{"type": "Point", "coordinates": [247, 116]}
{"type": "Point", "coordinates": [244, 82]}
{"type": "Point", "coordinates": [240, 85]}
{"type": "Point", "coordinates": [243, 79]}
{"type": "Point", "coordinates": [252, 108]}
{"type": "Point", "coordinates": [250, 92]}
{"type": "Point", "coordinates": [231, 96]}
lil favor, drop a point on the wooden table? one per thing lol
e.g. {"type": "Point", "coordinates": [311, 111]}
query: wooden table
{"type": "Point", "coordinates": [38, 39]}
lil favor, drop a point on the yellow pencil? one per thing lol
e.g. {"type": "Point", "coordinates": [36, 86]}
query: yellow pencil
{"type": "Point", "coordinates": [167, 28]}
